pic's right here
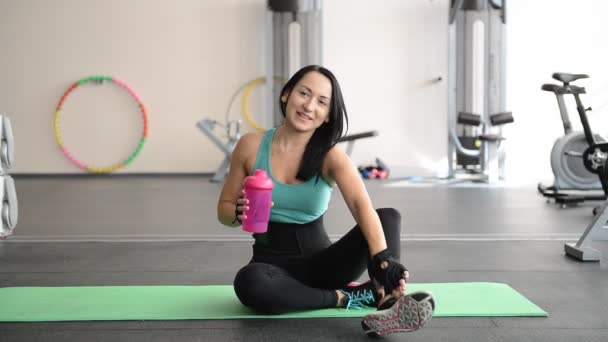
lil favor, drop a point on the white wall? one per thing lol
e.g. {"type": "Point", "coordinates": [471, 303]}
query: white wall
{"type": "Point", "coordinates": [388, 55]}
{"type": "Point", "coordinates": [185, 59]}
{"type": "Point", "coordinates": [545, 36]}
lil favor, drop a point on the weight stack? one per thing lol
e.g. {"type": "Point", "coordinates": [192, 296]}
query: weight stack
{"type": "Point", "coordinates": [9, 207]}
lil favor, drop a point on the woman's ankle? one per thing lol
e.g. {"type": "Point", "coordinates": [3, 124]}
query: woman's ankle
{"type": "Point", "coordinates": [341, 299]}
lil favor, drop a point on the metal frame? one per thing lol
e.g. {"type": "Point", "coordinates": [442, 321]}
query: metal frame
{"type": "Point", "coordinates": [462, 81]}
{"type": "Point", "coordinates": [286, 53]}
{"type": "Point", "coordinates": [207, 126]}
{"type": "Point", "coordinates": [596, 231]}
{"type": "Point", "coordinates": [597, 162]}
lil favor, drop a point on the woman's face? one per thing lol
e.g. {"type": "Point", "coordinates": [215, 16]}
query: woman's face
{"type": "Point", "coordinates": [308, 102]}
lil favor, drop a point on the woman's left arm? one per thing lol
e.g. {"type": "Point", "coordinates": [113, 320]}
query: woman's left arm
{"type": "Point", "coordinates": [388, 271]}
{"type": "Point", "coordinates": [343, 171]}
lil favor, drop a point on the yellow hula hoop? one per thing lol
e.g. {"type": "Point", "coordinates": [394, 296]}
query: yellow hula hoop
{"type": "Point", "coordinates": [252, 84]}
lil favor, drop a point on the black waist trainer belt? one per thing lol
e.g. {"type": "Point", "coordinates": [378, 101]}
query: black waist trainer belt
{"type": "Point", "coordinates": [291, 239]}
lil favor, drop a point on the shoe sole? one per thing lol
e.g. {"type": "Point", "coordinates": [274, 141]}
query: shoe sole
{"type": "Point", "coordinates": [408, 313]}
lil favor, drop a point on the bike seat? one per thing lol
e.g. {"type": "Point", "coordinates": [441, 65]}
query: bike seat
{"type": "Point", "coordinates": [569, 89]}
{"type": "Point", "coordinates": [554, 88]}
{"type": "Point", "coordinates": [567, 78]}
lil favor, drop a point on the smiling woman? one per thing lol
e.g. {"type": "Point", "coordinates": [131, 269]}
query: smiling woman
{"type": "Point", "coordinates": [294, 265]}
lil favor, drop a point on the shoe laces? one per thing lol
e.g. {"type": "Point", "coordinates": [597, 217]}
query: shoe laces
{"type": "Point", "coordinates": [359, 299]}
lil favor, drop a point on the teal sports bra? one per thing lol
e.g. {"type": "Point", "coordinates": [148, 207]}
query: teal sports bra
{"type": "Point", "coordinates": [293, 203]}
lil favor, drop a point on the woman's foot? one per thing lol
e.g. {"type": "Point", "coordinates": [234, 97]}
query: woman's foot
{"type": "Point", "coordinates": [357, 296]}
{"type": "Point", "coordinates": [405, 314]}
{"type": "Point", "coordinates": [387, 301]}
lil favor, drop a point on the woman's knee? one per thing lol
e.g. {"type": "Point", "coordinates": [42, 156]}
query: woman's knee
{"type": "Point", "coordinates": [390, 219]}
{"type": "Point", "coordinates": [390, 213]}
{"type": "Point", "coordinates": [254, 287]}
{"type": "Point", "coordinates": [243, 280]}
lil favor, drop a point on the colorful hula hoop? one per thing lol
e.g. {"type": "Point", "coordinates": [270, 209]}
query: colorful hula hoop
{"type": "Point", "coordinates": [92, 169]}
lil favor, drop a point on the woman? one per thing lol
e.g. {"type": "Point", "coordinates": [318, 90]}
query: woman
{"type": "Point", "coordinates": [294, 265]}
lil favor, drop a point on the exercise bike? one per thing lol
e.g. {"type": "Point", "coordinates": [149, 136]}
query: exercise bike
{"type": "Point", "coordinates": [574, 183]}
{"type": "Point", "coordinates": [595, 161]}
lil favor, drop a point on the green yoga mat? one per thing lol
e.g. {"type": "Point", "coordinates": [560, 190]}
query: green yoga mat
{"type": "Point", "coordinates": [117, 303]}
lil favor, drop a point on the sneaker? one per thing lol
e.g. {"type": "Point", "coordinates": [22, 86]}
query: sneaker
{"type": "Point", "coordinates": [408, 313]}
{"type": "Point", "coordinates": [359, 296]}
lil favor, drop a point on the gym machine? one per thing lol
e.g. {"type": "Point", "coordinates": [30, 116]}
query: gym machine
{"type": "Point", "coordinates": [476, 89]}
{"type": "Point", "coordinates": [9, 207]}
{"type": "Point", "coordinates": [294, 36]}
{"type": "Point", "coordinates": [573, 182]}
{"type": "Point", "coordinates": [595, 160]}
{"type": "Point", "coordinates": [293, 40]}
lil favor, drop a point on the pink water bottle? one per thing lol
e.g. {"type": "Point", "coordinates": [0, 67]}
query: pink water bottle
{"type": "Point", "coordinates": [258, 190]}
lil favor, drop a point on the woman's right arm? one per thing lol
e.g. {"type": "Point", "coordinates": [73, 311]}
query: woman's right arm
{"type": "Point", "coordinates": [245, 149]}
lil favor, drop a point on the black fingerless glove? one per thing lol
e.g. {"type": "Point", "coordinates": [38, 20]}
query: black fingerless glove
{"type": "Point", "coordinates": [387, 270]}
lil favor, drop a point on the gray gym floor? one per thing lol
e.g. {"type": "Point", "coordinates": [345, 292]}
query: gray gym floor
{"type": "Point", "coordinates": [162, 231]}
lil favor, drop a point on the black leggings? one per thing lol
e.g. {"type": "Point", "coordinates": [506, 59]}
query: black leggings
{"type": "Point", "coordinates": [295, 266]}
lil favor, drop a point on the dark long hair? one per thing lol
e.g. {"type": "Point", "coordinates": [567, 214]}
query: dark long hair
{"type": "Point", "coordinates": [325, 136]}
